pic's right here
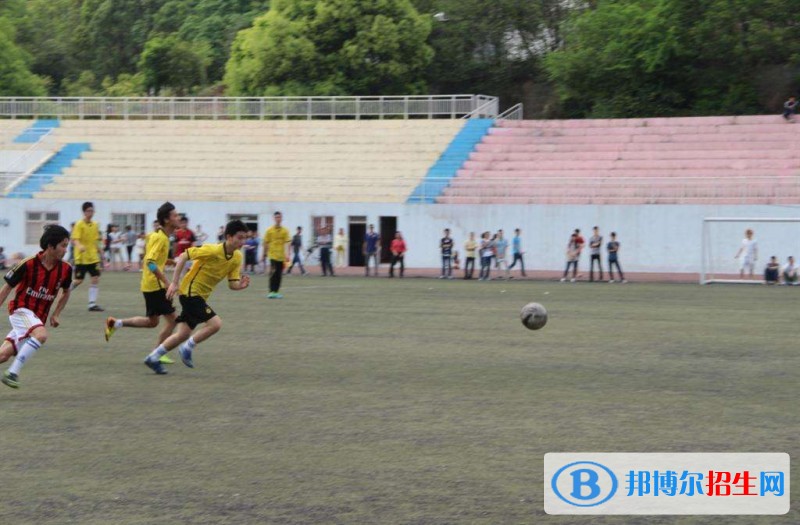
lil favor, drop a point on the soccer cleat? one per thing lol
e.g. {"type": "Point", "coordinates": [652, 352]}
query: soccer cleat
{"type": "Point", "coordinates": [186, 356]}
{"type": "Point", "coordinates": [110, 328]}
{"type": "Point", "coordinates": [278, 295]}
{"type": "Point", "coordinates": [10, 380]}
{"type": "Point", "coordinates": [167, 360]}
{"type": "Point", "coordinates": [271, 295]}
{"type": "Point", "coordinates": [155, 366]}
{"type": "Point", "coordinates": [96, 308]}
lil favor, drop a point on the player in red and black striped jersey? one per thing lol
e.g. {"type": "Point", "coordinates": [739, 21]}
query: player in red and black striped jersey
{"type": "Point", "coordinates": [37, 280]}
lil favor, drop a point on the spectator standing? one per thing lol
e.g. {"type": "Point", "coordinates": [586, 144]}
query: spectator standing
{"type": "Point", "coordinates": [501, 251]}
{"type": "Point", "coordinates": [201, 237]}
{"type": "Point", "coordinates": [487, 252]}
{"type": "Point", "coordinates": [184, 237]}
{"type": "Point", "coordinates": [470, 247]}
{"type": "Point", "coordinates": [141, 243]}
{"type": "Point", "coordinates": [130, 242]}
{"type": "Point", "coordinates": [340, 243]}
{"type": "Point", "coordinates": [372, 243]}
{"type": "Point", "coordinates": [398, 248]}
{"type": "Point", "coordinates": [749, 251]}
{"type": "Point", "coordinates": [613, 258]}
{"type": "Point", "coordinates": [573, 252]}
{"type": "Point", "coordinates": [251, 251]}
{"type": "Point", "coordinates": [516, 251]}
{"type": "Point", "coordinates": [790, 272]}
{"type": "Point", "coordinates": [221, 234]}
{"type": "Point", "coordinates": [297, 248]}
{"type": "Point", "coordinates": [789, 108]}
{"type": "Point", "coordinates": [595, 245]}
{"type": "Point", "coordinates": [116, 241]}
{"type": "Point", "coordinates": [325, 243]}
{"type": "Point", "coordinates": [276, 240]}
{"type": "Point", "coordinates": [3, 260]}
{"type": "Point", "coordinates": [771, 271]}
{"type": "Point", "coordinates": [446, 248]}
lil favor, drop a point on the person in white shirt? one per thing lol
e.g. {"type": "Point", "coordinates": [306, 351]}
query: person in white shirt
{"type": "Point", "coordinates": [117, 241]}
{"type": "Point", "coordinates": [790, 272]}
{"type": "Point", "coordinates": [749, 253]}
{"type": "Point", "coordinates": [200, 236]}
{"type": "Point", "coordinates": [340, 247]}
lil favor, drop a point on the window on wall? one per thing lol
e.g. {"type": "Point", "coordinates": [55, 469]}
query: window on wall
{"type": "Point", "coordinates": [318, 224]}
{"type": "Point", "coordinates": [35, 223]}
{"type": "Point", "coordinates": [249, 220]}
{"type": "Point", "coordinates": [134, 220]}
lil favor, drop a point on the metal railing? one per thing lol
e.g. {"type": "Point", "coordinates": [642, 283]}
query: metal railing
{"type": "Point", "coordinates": [513, 113]}
{"type": "Point", "coordinates": [405, 107]}
{"type": "Point", "coordinates": [33, 157]}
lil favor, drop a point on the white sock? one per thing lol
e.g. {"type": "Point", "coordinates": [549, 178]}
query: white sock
{"type": "Point", "coordinates": [26, 352]}
{"type": "Point", "coordinates": [190, 344]}
{"type": "Point", "coordinates": [92, 294]}
{"type": "Point", "coordinates": [157, 353]}
{"type": "Point", "coordinates": [118, 323]}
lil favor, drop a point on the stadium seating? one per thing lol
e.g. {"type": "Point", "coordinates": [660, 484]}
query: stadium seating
{"type": "Point", "coordinates": [349, 161]}
{"type": "Point", "coordinates": [721, 160]}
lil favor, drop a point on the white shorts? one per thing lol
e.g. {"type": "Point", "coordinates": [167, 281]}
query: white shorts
{"type": "Point", "coordinates": [747, 264]}
{"type": "Point", "coordinates": [23, 322]}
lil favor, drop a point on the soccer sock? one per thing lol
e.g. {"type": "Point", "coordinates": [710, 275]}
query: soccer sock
{"type": "Point", "coordinates": [157, 353]}
{"type": "Point", "coordinates": [118, 323]}
{"type": "Point", "coordinates": [92, 294]}
{"type": "Point", "coordinates": [26, 352]}
{"type": "Point", "coordinates": [190, 344]}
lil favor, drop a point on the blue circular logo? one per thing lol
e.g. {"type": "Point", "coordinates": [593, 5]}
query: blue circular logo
{"type": "Point", "coordinates": [584, 484]}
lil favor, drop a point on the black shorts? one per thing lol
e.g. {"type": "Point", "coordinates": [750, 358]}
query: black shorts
{"type": "Point", "coordinates": [194, 311]}
{"type": "Point", "coordinates": [156, 303]}
{"type": "Point", "coordinates": [82, 269]}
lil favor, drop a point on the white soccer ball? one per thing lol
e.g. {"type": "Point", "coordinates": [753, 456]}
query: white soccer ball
{"type": "Point", "coordinates": [534, 316]}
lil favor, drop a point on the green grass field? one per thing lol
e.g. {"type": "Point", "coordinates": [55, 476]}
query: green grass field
{"type": "Point", "coordinates": [381, 401]}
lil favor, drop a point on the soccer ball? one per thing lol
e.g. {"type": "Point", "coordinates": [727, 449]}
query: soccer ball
{"type": "Point", "coordinates": [534, 316]}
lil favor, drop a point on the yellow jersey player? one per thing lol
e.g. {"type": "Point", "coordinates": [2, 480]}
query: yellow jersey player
{"type": "Point", "coordinates": [212, 263]}
{"type": "Point", "coordinates": [154, 281]}
{"type": "Point", "coordinates": [86, 240]}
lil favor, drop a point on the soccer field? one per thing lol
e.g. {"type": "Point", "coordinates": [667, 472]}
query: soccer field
{"type": "Point", "coordinates": [382, 401]}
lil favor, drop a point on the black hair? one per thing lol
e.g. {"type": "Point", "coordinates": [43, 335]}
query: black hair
{"type": "Point", "coordinates": [300, 228]}
{"type": "Point", "coordinates": [87, 205]}
{"type": "Point", "coordinates": [163, 213]}
{"type": "Point", "coordinates": [613, 234]}
{"type": "Point", "coordinates": [53, 236]}
{"type": "Point", "coordinates": [277, 213]}
{"type": "Point", "coordinates": [235, 227]}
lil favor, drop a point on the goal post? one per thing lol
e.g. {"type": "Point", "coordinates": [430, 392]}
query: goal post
{"type": "Point", "coordinates": [722, 238]}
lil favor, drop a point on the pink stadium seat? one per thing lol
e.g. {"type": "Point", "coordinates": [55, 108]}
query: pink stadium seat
{"type": "Point", "coordinates": [719, 160]}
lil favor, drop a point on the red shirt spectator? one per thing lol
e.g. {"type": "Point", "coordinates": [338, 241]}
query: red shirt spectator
{"type": "Point", "coordinates": [398, 246]}
{"type": "Point", "coordinates": [184, 239]}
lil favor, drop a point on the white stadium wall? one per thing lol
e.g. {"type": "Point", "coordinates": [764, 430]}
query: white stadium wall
{"type": "Point", "coordinates": [655, 238]}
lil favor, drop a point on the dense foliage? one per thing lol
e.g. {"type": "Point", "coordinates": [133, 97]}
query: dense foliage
{"type": "Point", "coordinates": [581, 58]}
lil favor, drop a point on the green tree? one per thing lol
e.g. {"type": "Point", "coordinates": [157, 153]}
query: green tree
{"type": "Point", "coordinates": [209, 23]}
{"type": "Point", "coordinates": [112, 34]}
{"type": "Point", "coordinates": [329, 47]}
{"type": "Point", "coordinates": [171, 62]}
{"type": "Point", "coordinates": [16, 79]}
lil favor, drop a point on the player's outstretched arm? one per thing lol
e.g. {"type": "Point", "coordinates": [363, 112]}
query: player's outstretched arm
{"type": "Point", "coordinates": [55, 319]}
{"type": "Point", "coordinates": [4, 293]}
{"type": "Point", "coordinates": [239, 284]}
{"type": "Point", "coordinates": [176, 275]}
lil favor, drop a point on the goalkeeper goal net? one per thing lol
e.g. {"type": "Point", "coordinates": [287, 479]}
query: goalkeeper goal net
{"type": "Point", "coordinates": [728, 256]}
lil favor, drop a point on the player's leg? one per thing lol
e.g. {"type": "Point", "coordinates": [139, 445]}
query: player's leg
{"type": "Point", "coordinates": [7, 350]}
{"type": "Point", "coordinates": [37, 338]}
{"type": "Point", "coordinates": [94, 289]}
{"type": "Point", "coordinates": [168, 328]}
{"type": "Point", "coordinates": [153, 359]}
